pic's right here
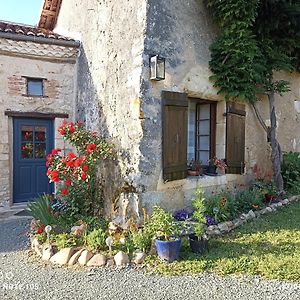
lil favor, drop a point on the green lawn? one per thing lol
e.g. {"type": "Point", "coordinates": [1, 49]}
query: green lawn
{"type": "Point", "coordinates": [268, 246]}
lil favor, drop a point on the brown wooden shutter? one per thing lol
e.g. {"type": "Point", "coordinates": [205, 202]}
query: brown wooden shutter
{"type": "Point", "coordinates": [235, 138]}
{"type": "Point", "coordinates": [175, 118]}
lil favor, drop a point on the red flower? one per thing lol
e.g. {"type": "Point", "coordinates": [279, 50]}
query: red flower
{"type": "Point", "coordinates": [61, 131]}
{"type": "Point", "coordinates": [94, 133]}
{"type": "Point", "coordinates": [83, 176]}
{"type": "Point", "coordinates": [72, 129]}
{"type": "Point", "coordinates": [47, 163]}
{"type": "Point", "coordinates": [70, 163]}
{"type": "Point", "coordinates": [55, 151]}
{"type": "Point", "coordinates": [41, 229]}
{"type": "Point", "coordinates": [64, 191]}
{"type": "Point", "coordinates": [68, 182]}
{"type": "Point", "coordinates": [85, 168]}
{"type": "Point", "coordinates": [78, 162]}
{"type": "Point", "coordinates": [91, 147]}
{"type": "Point", "coordinates": [71, 155]}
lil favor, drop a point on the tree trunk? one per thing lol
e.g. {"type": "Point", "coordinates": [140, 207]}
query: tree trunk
{"type": "Point", "coordinates": [276, 151]}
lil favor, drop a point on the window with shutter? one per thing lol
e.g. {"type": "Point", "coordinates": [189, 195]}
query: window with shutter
{"type": "Point", "coordinates": [201, 130]}
{"type": "Point", "coordinates": [175, 108]}
{"type": "Point", "coordinates": [235, 138]}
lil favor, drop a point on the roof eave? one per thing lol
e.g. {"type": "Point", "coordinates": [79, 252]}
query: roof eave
{"type": "Point", "coordinates": [38, 39]}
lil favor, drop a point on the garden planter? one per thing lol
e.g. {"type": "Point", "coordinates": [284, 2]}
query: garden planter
{"type": "Point", "coordinates": [211, 170]}
{"type": "Point", "coordinates": [168, 250]}
{"type": "Point", "coordinates": [198, 246]}
{"type": "Point", "coordinates": [193, 173]}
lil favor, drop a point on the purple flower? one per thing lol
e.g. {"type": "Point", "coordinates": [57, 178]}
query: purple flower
{"type": "Point", "coordinates": [181, 215]}
{"type": "Point", "coordinates": [210, 220]}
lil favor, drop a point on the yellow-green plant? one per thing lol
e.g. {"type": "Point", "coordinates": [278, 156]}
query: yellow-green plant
{"type": "Point", "coordinates": [199, 212]}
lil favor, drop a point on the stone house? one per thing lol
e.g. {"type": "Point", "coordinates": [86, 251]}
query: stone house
{"type": "Point", "coordinates": [158, 125]}
{"type": "Point", "coordinates": [37, 89]}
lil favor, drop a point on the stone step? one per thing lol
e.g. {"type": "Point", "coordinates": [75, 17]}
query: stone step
{"type": "Point", "coordinates": [15, 210]}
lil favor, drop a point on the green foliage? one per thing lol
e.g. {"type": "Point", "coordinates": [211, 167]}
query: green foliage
{"type": "Point", "coordinates": [162, 225]}
{"type": "Point", "coordinates": [257, 38]}
{"type": "Point", "coordinates": [220, 206]}
{"type": "Point", "coordinates": [141, 240]}
{"type": "Point", "coordinates": [65, 240]}
{"type": "Point", "coordinates": [226, 206]}
{"type": "Point", "coordinates": [40, 209]}
{"type": "Point", "coordinates": [245, 200]}
{"type": "Point", "coordinates": [291, 172]}
{"type": "Point", "coordinates": [268, 247]}
{"type": "Point", "coordinates": [199, 211]}
{"type": "Point", "coordinates": [95, 240]}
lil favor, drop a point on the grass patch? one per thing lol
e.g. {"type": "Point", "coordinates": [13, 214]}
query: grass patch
{"type": "Point", "coordinates": [269, 246]}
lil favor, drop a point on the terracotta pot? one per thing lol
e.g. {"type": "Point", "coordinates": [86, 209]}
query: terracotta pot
{"type": "Point", "coordinates": [193, 173]}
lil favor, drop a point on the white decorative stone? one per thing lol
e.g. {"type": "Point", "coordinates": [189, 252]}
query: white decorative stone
{"type": "Point", "coordinates": [139, 258]}
{"type": "Point", "coordinates": [97, 260]}
{"type": "Point", "coordinates": [85, 257]}
{"type": "Point", "coordinates": [223, 227]}
{"type": "Point", "coordinates": [251, 214]}
{"type": "Point", "coordinates": [63, 256]}
{"type": "Point", "coordinates": [121, 259]}
{"type": "Point", "coordinates": [73, 260]}
{"type": "Point", "coordinates": [47, 252]}
{"type": "Point", "coordinates": [269, 209]}
{"type": "Point", "coordinates": [285, 201]}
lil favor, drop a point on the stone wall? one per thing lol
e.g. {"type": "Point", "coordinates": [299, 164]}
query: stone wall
{"type": "Point", "coordinates": [59, 88]}
{"type": "Point", "coordinates": [182, 32]}
{"type": "Point", "coordinates": [109, 76]}
{"type": "Point", "coordinates": [117, 98]}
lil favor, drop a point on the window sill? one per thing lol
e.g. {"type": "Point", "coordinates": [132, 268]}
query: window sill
{"type": "Point", "coordinates": [34, 96]}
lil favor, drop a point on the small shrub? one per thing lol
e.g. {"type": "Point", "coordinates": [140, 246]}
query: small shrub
{"type": "Point", "coordinates": [162, 225]}
{"type": "Point", "coordinates": [248, 199]}
{"type": "Point", "coordinates": [199, 212]}
{"type": "Point", "coordinates": [220, 207]}
{"type": "Point", "coordinates": [291, 172]}
{"type": "Point", "coordinates": [95, 240]}
{"type": "Point", "coordinates": [65, 240]}
{"type": "Point", "coordinates": [141, 240]}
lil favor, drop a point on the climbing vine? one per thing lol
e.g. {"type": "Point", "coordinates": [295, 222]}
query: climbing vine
{"type": "Point", "coordinates": [257, 38]}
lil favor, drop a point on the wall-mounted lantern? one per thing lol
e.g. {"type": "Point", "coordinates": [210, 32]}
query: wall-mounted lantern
{"type": "Point", "coordinates": [157, 68]}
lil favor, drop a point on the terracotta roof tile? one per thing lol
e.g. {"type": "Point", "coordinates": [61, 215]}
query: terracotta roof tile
{"type": "Point", "coordinates": [28, 30]}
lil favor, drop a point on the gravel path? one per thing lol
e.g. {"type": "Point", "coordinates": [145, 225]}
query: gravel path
{"type": "Point", "coordinates": [22, 278]}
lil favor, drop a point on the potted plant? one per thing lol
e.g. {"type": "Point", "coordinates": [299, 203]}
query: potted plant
{"type": "Point", "coordinates": [165, 230]}
{"type": "Point", "coordinates": [214, 164]}
{"type": "Point", "coordinates": [194, 168]}
{"type": "Point", "coordinates": [198, 240]}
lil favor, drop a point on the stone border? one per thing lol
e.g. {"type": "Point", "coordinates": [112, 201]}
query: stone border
{"type": "Point", "coordinates": [83, 257]}
{"type": "Point", "coordinates": [227, 226]}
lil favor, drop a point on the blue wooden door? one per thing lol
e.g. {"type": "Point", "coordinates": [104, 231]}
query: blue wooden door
{"type": "Point", "coordinates": [33, 140]}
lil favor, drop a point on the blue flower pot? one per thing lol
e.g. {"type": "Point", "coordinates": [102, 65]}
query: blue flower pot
{"type": "Point", "coordinates": [168, 250]}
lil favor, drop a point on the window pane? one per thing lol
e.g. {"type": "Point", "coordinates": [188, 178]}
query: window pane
{"type": "Point", "coordinates": [40, 150]}
{"type": "Point", "coordinates": [203, 143]}
{"type": "Point", "coordinates": [40, 134]}
{"type": "Point", "coordinates": [27, 133]}
{"type": "Point", "coordinates": [204, 157]}
{"type": "Point", "coordinates": [26, 150]}
{"type": "Point", "coordinates": [204, 111]}
{"type": "Point", "coordinates": [204, 127]}
{"type": "Point", "coordinates": [35, 87]}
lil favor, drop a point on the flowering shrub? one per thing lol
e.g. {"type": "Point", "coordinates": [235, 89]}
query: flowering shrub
{"type": "Point", "coordinates": [77, 172]}
{"type": "Point", "coordinates": [219, 163]}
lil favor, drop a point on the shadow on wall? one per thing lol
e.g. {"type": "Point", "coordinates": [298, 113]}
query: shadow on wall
{"type": "Point", "coordinates": [90, 111]}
